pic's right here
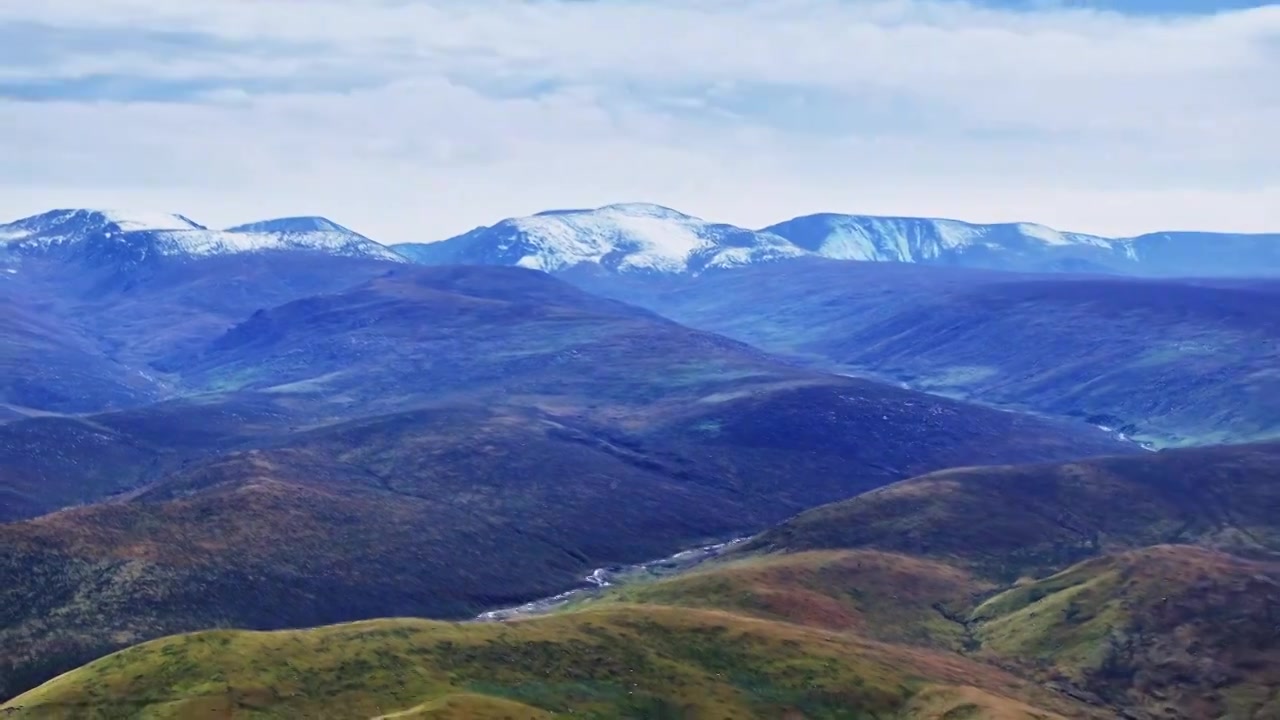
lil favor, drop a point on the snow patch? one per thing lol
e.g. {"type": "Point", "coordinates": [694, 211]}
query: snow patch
{"type": "Point", "coordinates": [648, 237]}
{"type": "Point", "coordinates": [130, 220]}
{"type": "Point", "coordinates": [956, 234]}
{"type": "Point", "coordinates": [1047, 235]}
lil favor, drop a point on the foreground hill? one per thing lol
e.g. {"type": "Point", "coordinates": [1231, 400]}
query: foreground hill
{"type": "Point", "coordinates": [962, 594]}
{"type": "Point", "coordinates": [1143, 627]}
{"type": "Point", "coordinates": [1168, 362]}
{"type": "Point", "coordinates": [1174, 630]}
{"type": "Point", "coordinates": [617, 662]}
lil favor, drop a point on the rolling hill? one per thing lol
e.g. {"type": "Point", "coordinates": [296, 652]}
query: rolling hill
{"type": "Point", "coordinates": [630, 662]}
{"type": "Point", "coordinates": [1149, 585]}
{"type": "Point", "coordinates": [79, 340]}
{"type": "Point", "coordinates": [1041, 518]}
{"type": "Point", "coordinates": [1175, 630]}
{"type": "Point", "coordinates": [895, 603]}
{"type": "Point", "coordinates": [437, 441]}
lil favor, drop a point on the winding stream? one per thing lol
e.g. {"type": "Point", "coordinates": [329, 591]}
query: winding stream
{"type": "Point", "coordinates": [605, 577]}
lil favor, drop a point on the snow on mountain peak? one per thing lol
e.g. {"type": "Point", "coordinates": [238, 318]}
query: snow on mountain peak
{"type": "Point", "coordinates": [130, 221]}
{"type": "Point", "coordinates": [649, 236]}
{"type": "Point", "coordinates": [626, 237]}
{"type": "Point", "coordinates": [292, 225]}
{"type": "Point", "coordinates": [172, 235]}
{"type": "Point", "coordinates": [57, 226]}
{"type": "Point", "coordinates": [1047, 235]}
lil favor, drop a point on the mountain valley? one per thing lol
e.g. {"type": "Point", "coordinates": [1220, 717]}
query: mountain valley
{"type": "Point", "coordinates": [1168, 362]}
{"type": "Point", "coordinates": [213, 440]}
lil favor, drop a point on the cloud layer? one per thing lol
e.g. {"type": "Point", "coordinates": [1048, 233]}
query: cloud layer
{"type": "Point", "coordinates": [417, 119]}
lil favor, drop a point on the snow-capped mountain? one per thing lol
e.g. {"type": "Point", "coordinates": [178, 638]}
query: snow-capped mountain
{"type": "Point", "coordinates": [1030, 247]}
{"type": "Point", "coordinates": [112, 236]}
{"type": "Point", "coordinates": [1023, 246]}
{"type": "Point", "coordinates": [639, 237]}
{"type": "Point", "coordinates": [310, 233]}
{"type": "Point", "coordinates": [628, 237]}
{"type": "Point", "coordinates": [649, 239]}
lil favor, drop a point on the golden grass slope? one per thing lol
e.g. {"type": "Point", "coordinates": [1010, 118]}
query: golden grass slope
{"type": "Point", "coordinates": [885, 596]}
{"type": "Point", "coordinates": [1181, 631]}
{"type": "Point", "coordinates": [621, 661]}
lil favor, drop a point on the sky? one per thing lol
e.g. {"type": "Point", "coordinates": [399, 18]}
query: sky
{"type": "Point", "coordinates": [414, 120]}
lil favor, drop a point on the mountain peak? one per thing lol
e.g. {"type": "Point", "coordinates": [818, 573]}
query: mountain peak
{"type": "Point", "coordinates": [56, 225]}
{"type": "Point", "coordinates": [624, 237]}
{"type": "Point", "coordinates": [115, 237]}
{"type": "Point", "coordinates": [308, 223]}
{"type": "Point", "coordinates": [633, 209]}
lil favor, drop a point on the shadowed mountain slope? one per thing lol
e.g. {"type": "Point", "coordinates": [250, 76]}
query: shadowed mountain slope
{"type": "Point", "coordinates": [1171, 362]}
{"type": "Point", "coordinates": [1040, 518]}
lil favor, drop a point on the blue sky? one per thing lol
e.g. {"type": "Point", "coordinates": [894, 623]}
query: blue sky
{"type": "Point", "coordinates": [418, 119]}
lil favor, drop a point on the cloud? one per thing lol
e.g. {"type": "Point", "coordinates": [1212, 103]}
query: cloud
{"type": "Point", "coordinates": [417, 119]}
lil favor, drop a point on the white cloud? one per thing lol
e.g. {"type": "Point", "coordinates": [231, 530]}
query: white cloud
{"type": "Point", "coordinates": [419, 119]}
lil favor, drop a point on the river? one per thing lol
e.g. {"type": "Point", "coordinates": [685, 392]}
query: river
{"type": "Point", "coordinates": [605, 577]}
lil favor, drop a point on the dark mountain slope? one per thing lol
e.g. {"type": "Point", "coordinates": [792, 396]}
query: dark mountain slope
{"type": "Point", "coordinates": [1169, 362]}
{"type": "Point", "coordinates": [141, 313]}
{"type": "Point", "coordinates": [520, 339]}
{"type": "Point", "coordinates": [46, 365]}
{"type": "Point", "coordinates": [1040, 518]}
{"type": "Point", "coordinates": [83, 340]}
{"type": "Point", "coordinates": [48, 463]}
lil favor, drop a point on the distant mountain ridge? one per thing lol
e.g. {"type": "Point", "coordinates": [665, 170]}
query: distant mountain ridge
{"type": "Point", "coordinates": [629, 237]}
{"type": "Point", "coordinates": [649, 239]}
{"type": "Point", "coordinates": [646, 238]}
{"type": "Point", "coordinates": [101, 237]}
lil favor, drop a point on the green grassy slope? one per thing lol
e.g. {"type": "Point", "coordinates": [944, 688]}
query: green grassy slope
{"type": "Point", "coordinates": [1177, 630]}
{"type": "Point", "coordinates": [618, 662]}
{"type": "Point", "coordinates": [889, 597]}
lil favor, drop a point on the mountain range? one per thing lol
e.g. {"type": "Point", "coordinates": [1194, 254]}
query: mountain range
{"type": "Point", "coordinates": [951, 473]}
{"type": "Point", "coordinates": [638, 237]}
{"type": "Point", "coordinates": [647, 238]}
{"type": "Point", "coordinates": [100, 237]}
